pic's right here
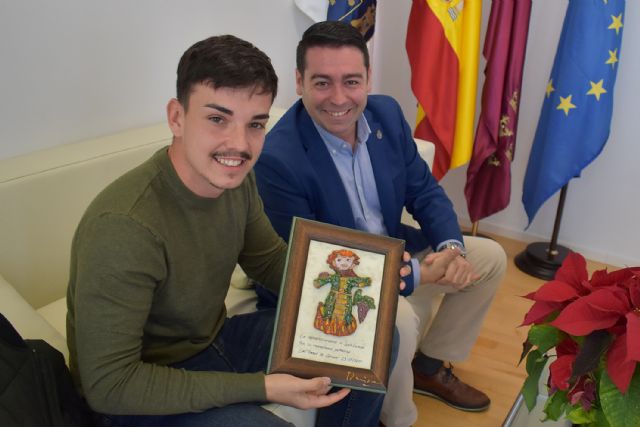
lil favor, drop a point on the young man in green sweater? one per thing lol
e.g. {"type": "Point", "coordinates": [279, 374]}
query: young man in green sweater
{"type": "Point", "coordinates": [152, 259]}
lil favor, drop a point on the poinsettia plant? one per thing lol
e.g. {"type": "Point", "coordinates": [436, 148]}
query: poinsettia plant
{"type": "Point", "coordinates": [590, 331]}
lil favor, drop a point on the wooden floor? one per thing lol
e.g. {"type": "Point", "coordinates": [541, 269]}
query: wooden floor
{"type": "Point", "coordinates": [492, 366]}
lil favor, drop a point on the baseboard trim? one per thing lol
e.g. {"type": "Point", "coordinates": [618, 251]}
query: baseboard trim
{"type": "Point", "coordinates": [526, 237]}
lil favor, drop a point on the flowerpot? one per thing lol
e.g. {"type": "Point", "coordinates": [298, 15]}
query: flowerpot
{"type": "Point", "coordinates": [519, 415]}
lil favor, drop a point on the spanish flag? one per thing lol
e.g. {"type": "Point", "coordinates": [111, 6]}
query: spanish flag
{"type": "Point", "coordinates": [443, 41]}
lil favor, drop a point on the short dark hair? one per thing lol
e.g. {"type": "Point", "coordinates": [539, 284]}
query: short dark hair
{"type": "Point", "coordinates": [330, 34]}
{"type": "Point", "coordinates": [225, 61]}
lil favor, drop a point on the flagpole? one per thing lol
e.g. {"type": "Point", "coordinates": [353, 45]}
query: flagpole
{"type": "Point", "coordinates": [474, 231]}
{"type": "Point", "coordinates": [474, 228]}
{"type": "Point", "coordinates": [540, 259]}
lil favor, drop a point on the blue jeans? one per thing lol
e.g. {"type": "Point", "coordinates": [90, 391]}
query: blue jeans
{"type": "Point", "coordinates": [243, 345]}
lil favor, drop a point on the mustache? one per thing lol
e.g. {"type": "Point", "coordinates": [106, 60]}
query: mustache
{"type": "Point", "coordinates": [242, 154]}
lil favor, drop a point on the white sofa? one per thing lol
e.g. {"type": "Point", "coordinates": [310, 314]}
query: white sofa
{"type": "Point", "coordinates": [42, 197]}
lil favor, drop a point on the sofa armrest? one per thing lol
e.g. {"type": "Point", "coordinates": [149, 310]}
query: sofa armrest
{"type": "Point", "coordinates": [32, 324]}
{"type": "Point", "coordinates": [427, 151]}
{"type": "Point", "coordinates": [26, 320]}
{"type": "Point", "coordinates": [55, 314]}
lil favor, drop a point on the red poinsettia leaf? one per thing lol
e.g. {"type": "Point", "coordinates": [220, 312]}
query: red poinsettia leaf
{"type": "Point", "coordinates": [583, 392]}
{"type": "Point", "coordinates": [587, 288]}
{"type": "Point", "coordinates": [573, 270]}
{"type": "Point", "coordinates": [589, 396]}
{"type": "Point", "coordinates": [634, 292]}
{"type": "Point", "coordinates": [603, 278]}
{"type": "Point", "coordinates": [557, 291]}
{"type": "Point", "coordinates": [633, 336]}
{"type": "Point", "coordinates": [567, 346]}
{"type": "Point", "coordinates": [619, 328]}
{"type": "Point", "coordinates": [609, 299]}
{"type": "Point", "coordinates": [575, 396]}
{"type": "Point", "coordinates": [619, 369]}
{"type": "Point", "coordinates": [600, 278]}
{"type": "Point", "coordinates": [580, 318]}
{"type": "Point", "coordinates": [530, 295]}
{"type": "Point", "coordinates": [539, 311]}
{"type": "Point", "coordinates": [560, 371]}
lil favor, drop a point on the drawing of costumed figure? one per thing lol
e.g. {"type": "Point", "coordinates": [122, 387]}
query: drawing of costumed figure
{"type": "Point", "coordinates": [335, 316]}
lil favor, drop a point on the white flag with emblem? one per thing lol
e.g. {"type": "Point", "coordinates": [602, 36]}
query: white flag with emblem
{"type": "Point", "coordinates": [314, 9]}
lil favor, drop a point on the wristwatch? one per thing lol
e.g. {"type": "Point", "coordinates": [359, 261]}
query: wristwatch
{"type": "Point", "coordinates": [455, 245]}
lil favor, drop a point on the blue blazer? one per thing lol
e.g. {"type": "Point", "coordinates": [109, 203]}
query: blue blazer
{"type": "Point", "coordinates": [297, 177]}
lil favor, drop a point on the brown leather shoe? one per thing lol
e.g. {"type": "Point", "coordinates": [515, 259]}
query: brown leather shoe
{"type": "Point", "coordinates": [445, 386]}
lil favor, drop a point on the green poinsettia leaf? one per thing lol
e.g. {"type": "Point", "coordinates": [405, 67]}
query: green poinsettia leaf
{"type": "Point", "coordinates": [592, 349]}
{"type": "Point", "coordinates": [545, 337]}
{"type": "Point", "coordinates": [526, 348]}
{"type": "Point", "coordinates": [621, 410]}
{"type": "Point", "coordinates": [555, 406]}
{"type": "Point", "coordinates": [534, 360]}
{"type": "Point", "coordinates": [535, 363]}
{"type": "Point", "coordinates": [578, 415]}
{"type": "Point", "coordinates": [601, 419]}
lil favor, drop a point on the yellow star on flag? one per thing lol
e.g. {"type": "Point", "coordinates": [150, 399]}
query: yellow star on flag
{"type": "Point", "coordinates": [565, 104]}
{"type": "Point", "coordinates": [550, 88]}
{"type": "Point", "coordinates": [616, 23]}
{"type": "Point", "coordinates": [597, 89]}
{"type": "Point", "coordinates": [613, 57]}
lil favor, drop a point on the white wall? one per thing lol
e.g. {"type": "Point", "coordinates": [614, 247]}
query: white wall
{"type": "Point", "coordinates": [600, 211]}
{"type": "Point", "coordinates": [75, 69]}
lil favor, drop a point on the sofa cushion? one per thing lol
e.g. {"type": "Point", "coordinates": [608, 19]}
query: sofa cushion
{"type": "Point", "coordinates": [43, 197]}
{"type": "Point", "coordinates": [238, 301]}
{"type": "Point", "coordinates": [28, 323]}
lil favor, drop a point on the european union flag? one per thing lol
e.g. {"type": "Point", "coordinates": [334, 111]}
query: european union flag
{"type": "Point", "coordinates": [360, 13]}
{"type": "Point", "coordinates": [576, 114]}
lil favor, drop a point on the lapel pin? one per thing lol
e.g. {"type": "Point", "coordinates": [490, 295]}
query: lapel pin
{"type": "Point", "coordinates": [379, 134]}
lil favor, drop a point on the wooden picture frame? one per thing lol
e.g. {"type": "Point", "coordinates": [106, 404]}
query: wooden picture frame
{"type": "Point", "coordinates": [337, 320]}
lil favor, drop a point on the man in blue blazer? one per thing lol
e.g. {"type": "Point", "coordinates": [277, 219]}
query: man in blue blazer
{"type": "Point", "coordinates": [342, 156]}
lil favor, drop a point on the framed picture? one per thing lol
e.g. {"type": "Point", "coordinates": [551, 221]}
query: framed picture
{"type": "Point", "coordinates": [337, 306]}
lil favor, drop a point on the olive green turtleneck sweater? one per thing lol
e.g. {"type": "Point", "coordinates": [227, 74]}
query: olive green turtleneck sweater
{"type": "Point", "coordinates": [150, 268]}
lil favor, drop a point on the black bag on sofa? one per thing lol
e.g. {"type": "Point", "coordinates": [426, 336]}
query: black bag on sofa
{"type": "Point", "coordinates": [36, 388]}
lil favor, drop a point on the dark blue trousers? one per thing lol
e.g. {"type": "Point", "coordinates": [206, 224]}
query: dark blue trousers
{"type": "Point", "coordinates": [243, 346]}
